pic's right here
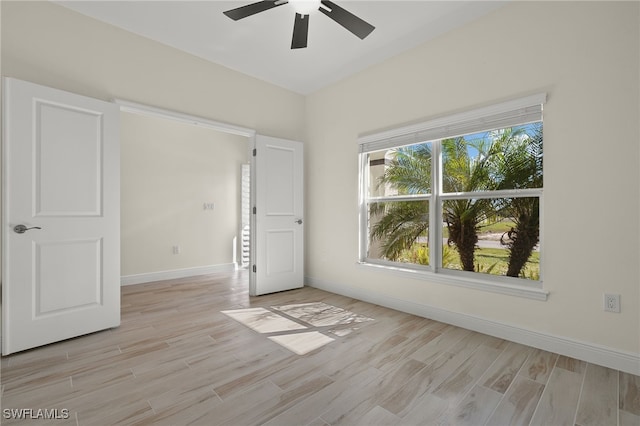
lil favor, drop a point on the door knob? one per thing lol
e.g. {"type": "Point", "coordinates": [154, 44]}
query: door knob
{"type": "Point", "coordinates": [299, 221]}
{"type": "Point", "coordinates": [21, 229]}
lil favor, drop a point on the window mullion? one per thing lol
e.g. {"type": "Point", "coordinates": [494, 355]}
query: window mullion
{"type": "Point", "coordinates": [504, 193]}
{"type": "Point", "coordinates": [363, 207]}
{"type": "Point", "coordinates": [399, 198]}
{"type": "Point", "coordinates": [435, 208]}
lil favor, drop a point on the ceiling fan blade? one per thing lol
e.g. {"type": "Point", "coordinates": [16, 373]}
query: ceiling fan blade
{"type": "Point", "coordinates": [347, 19]}
{"type": "Point", "coordinates": [252, 9]}
{"type": "Point", "coordinates": [300, 31]}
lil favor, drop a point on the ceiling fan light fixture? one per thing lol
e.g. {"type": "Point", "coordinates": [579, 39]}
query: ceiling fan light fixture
{"type": "Point", "coordinates": [305, 7]}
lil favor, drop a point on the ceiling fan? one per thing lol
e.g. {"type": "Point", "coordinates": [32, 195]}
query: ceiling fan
{"type": "Point", "coordinates": [303, 9]}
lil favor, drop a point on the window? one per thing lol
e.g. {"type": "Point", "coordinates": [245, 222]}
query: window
{"type": "Point", "coordinates": [458, 197]}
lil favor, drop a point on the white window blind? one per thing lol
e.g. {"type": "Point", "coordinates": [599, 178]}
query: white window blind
{"type": "Point", "coordinates": [505, 114]}
{"type": "Point", "coordinates": [246, 214]}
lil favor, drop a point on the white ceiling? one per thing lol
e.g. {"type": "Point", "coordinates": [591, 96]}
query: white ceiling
{"type": "Point", "coordinates": [259, 45]}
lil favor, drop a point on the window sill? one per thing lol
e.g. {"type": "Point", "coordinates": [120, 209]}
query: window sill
{"type": "Point", "coordinates": [477, 284]}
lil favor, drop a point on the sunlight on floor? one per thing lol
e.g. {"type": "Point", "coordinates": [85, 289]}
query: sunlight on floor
{"type": "Point", "coordinates": [302, 343]}
{"type": "Point", "coordinates": [320, 314]}
{"type": "Point", "coordinates": [263, 320]}
{"type": "Point", "coordinates": [296, 336]}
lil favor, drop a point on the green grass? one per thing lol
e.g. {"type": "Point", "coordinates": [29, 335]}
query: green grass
{"type": "Point", "coordinates": [488, 260]}
{"type": "Point", "coordinates": [498, 227]}
{"type": "Point", "coordinates": [496, 261]}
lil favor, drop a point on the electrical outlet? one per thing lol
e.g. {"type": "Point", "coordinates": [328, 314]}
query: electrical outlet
{"type": "Point", "coordinates": [176, 249]}
{"type": "Point", "coordinates": [612, 302]}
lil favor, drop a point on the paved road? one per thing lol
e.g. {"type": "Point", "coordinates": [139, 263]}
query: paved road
{"type": "Point", "coordinates": [491, 243]}
{"type": "Point", "coordinates": [482, 243]}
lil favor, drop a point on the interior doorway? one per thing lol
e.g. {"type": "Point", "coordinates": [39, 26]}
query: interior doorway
{"type": "Point", "coordinates": [185, 195]}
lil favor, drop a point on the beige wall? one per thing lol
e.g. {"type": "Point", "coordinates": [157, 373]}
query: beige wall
{"type": "Point", "coordinates": [168, 171]}
{"type": "Point", "coordinates": [1, 184]}
{"type": "Point", "coordinates": [585, 55]}
{"type": "Point", "coordinates": [51, 45]}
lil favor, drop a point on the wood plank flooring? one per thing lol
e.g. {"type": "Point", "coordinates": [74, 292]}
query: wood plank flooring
{"type": "Point", "coordinates": [177, 360]}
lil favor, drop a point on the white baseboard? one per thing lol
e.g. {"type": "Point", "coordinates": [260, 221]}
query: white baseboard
{"type": "Point", "coordinates": [176, 273]}
{"type": "Point", "coordinates": [596, 354]}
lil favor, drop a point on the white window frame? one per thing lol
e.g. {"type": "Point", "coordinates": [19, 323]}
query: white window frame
{"type": "Point", "coordinates": [500, 115]}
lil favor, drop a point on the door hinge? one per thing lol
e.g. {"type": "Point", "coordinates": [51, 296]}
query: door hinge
{"type": "Point", "coordinates": [254, 268]}
{"type": "Point", "coordinates": [254, 210]}
{"type": "Point", "coordinates": [255, 151]}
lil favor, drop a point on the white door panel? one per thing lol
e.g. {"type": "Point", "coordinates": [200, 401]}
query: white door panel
{"type": "Point", "coordinates": [61, 174]}
{"type": "Point", "coordinates": [74, 191]}
{"type": "Point", "coordinates": [279, 230]}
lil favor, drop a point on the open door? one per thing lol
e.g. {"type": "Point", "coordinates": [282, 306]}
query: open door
{"type": "Point", "coordinates": [61, 216]}
{"type": "Point", "coordinates": [278, 243]}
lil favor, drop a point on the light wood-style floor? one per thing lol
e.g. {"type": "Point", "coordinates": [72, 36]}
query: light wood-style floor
{"type": "Point", "coordinates": [176, 359]}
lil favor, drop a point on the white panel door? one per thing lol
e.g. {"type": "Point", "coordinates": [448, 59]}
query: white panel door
{"type": "Point", "coordinates": [61, 216]}
{"type": "Point", "coordinates": [279, 229]}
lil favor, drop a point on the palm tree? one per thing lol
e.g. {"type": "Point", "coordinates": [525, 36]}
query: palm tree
{"type": "Point", "coordinates": [463, 172]}
{"type": "Point", "coordinates": [508, 159]}
{"type": "Point", "coordinates": [520, 166]}
{"type": "Point", "coordinates": [402, 222]}
{"type": "Point", "coordinates": [400, 226]}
